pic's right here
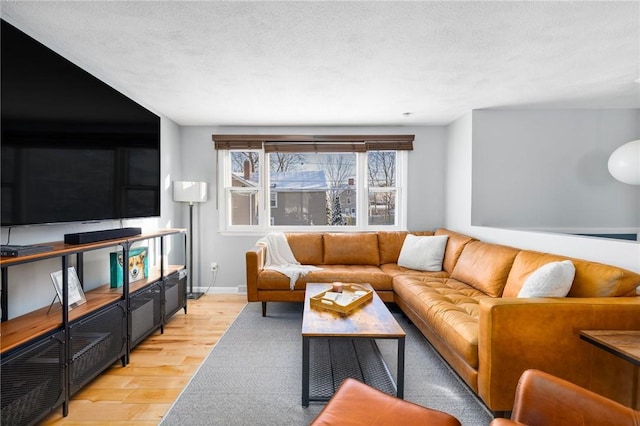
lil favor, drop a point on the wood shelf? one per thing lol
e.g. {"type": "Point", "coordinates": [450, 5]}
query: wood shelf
{"type": "Point", "coordinates": [62, 249]}
{"type": "Point", "coordinates": [40, 322]}
{"type": "Point", "coordinates": [154, 276]}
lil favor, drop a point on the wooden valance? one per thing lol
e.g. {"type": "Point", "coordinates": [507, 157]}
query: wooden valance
{"type": "Point", "coordinates": [315, 143]}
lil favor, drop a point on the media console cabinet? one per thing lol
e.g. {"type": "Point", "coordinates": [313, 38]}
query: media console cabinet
{"type": "Point", "coordinates": [49, 354]}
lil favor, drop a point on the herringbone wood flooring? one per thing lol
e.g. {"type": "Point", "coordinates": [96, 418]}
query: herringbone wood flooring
{"type": "Point", "coordinates": [159, 368]}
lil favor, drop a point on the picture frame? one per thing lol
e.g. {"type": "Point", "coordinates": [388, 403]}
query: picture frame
{"type": "Point", "coordinates": [137, 266]}
{"type": "Point", "coordinates": [75, 294]}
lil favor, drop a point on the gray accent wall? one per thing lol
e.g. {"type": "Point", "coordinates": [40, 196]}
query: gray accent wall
{"type": "Point", "coordinates": [547, 170]}
{"type": "Point", "coordinates": [459, 184]}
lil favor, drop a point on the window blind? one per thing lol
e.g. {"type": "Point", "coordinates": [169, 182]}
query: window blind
{"type": "Point", "coordinates": [315, 143]}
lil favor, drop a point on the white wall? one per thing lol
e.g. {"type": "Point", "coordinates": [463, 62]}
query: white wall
{"type": "Point", "coordinates": [547, 169]}
{"type": "Point", "coordinates": [425, 192]}
{"type": "Point", "coordinates": [30, 284]}
{"type": "Point", "coordinates": [461, 161]}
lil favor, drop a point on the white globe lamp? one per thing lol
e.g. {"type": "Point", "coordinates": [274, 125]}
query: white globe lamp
{"type": "Point", "coordinates": [624, 163]}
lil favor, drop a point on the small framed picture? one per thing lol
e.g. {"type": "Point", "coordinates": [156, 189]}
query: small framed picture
{"type": "Point", "coordinates": [76, 295]}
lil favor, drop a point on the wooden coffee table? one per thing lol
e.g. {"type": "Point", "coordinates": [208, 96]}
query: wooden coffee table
{"type": "Point", "coordinates": [345, 346]}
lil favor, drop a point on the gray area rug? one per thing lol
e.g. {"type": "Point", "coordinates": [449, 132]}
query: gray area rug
{"type": "Point", "coordinates": [253, 376]}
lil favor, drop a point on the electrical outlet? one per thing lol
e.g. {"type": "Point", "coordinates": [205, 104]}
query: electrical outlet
{"type": "Point", "coordinates": [214, 266]}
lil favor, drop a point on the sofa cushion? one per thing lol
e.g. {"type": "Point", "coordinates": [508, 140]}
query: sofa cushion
{"type": "Point", "coordinates": [485, 266]}
{"type": "Point", "coordinates": [307, 247]}
{"type": "Point", "coordinates": [455, 244]}
{"type": "Point", "coordinates": [393, 269]}
{"type": "Point", "coordinates": [273, 280]}
{"type": "Point", "coordinates": [449, 307]}
{"type": "Point", "coordinates": [592, 279]}
{"type": "Point", "coordinates": [423, 253]}
{"type": "Point", "coordinates": [351, 249]}
{"type": "Point", "coordinates": [390, 244]}
{"type": "Point", "coordinates": [553, 279]}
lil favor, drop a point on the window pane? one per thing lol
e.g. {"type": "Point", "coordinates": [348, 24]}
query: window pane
{"type": "Point", "coordinates": [244, 207]}
{"type": "Point", "coordinates": [382, 168]}
{"type": "Point", "coordinates": [311, 189]}
{"type": "Point", "coordinates": [382, 207]}
{"type": "Point", "coordinates": [245, 168]}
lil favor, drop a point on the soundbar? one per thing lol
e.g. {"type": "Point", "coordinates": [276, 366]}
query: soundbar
{"type": "Point", "coordinates": [95, 236]}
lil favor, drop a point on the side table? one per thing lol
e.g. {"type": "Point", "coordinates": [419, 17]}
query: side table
{"type": "Point", "coordinates": [621, 343]}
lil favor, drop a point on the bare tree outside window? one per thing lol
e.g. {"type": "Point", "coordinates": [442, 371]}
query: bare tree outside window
{"type": "Point", "coordinates": [382, 174]}
{"type": "Point", "coordinates": [244, 187]}
{"type": "Point", "coordinates": [338, 169]}
{"type": "Point", "coordinates": [283, 162]}
{"type": "Point", "coordinates": [239, 161]}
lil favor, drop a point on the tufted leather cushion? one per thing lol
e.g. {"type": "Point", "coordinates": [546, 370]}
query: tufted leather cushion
{"type": "Point", "coordinates": [450, 307]}
{"type": "Point", "coordinates": [307, 247]}
{"type": "Point", "coordinates": [393, 269]}
{"type": "Point", "coordinates": [351, 249]}
{"type": "Point", "coordinates": [485, 266]}
{"type": "Point", "coordinates": [390, 244]}
{"type": "Point", "coordinates": [455, 244]}
{"type": "Point", "coordinates": [592, 279]}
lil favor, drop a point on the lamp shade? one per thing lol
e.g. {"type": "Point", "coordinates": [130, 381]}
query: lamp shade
{"type": "Point", "coordinates": [190, 192]}
{"type": "Point", "coordinates": [624, 163]}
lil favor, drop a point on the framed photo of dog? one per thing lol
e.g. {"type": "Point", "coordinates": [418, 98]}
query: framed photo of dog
{"type": "Point", "coordinates": [137, 266]}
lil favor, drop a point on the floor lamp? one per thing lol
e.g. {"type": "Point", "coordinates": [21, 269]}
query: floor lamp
{"type": "Point", "coordinates": [190, 192]}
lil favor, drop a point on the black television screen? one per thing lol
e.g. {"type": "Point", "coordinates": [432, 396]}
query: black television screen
{"type": "Point", "coordinates": [73, 148]}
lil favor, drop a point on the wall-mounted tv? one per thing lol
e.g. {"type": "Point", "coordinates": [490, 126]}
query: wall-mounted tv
{"type": "Point", "coordinates": [73, 148]}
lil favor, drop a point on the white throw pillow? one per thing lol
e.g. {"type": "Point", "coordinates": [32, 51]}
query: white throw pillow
{"type": "Point", "coordinates": [423, 253]}
{"type": "Point", "coordinates": [550, 280]}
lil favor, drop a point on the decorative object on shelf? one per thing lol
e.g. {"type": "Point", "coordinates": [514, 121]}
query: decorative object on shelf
{"type": "Point", "coordinates": [74, 288]}
{"type": "Point", "coordinates": [190, 192]}
{"type": "Point", "coordinates": [137, 265]}
{"type": "Point", "coordinates": [624, 163]}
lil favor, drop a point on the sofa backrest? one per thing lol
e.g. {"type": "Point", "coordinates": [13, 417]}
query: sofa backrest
{"type": "Point", "coordinates": [455, 244]}
{"type": "Point", "coordinates": [307, 247]}
{"type": "Point", "coordinates": [592, 279]}
{"type": "Point", "coordinates": [360, 248]}
{"type": "Point", "coordinates": [390, 244]}
{"type": "Point", "coordinates": [485, 266]}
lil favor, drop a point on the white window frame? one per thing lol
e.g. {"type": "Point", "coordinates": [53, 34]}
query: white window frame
{"type": "Point", "coordinates": [264, 223]}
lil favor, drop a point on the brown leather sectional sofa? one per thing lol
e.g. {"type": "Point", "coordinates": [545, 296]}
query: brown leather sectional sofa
{"type": "Point", "coordinates": [470, 311]}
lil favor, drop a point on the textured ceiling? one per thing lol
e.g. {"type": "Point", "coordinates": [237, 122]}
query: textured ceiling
{"type": "Point", "coordinates": [347, 63]}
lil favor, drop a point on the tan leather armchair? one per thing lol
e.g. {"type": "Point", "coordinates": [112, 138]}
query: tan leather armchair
{"type": "Point", "coordinates": [358, 404]}
{"type": "Point", "coordinates": [543, 399]}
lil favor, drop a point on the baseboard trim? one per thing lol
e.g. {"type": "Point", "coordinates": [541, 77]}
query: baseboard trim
{"type": "Point", "coordinates": [222, 290]}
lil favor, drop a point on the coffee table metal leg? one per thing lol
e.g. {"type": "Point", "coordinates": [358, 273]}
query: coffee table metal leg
{"type": "Point", "coordinates": [400, 384]}
{"type": "Point", "coordinates": [305, 371]}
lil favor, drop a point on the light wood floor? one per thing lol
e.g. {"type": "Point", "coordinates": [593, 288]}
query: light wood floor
{"type": "Point", "coordinates": [159, 368]}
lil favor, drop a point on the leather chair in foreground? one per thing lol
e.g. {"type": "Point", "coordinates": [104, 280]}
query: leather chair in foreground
{"type": "Point", "coordinates": [545, 400]}
{"type": "Point", "coordinates": [357, 404]}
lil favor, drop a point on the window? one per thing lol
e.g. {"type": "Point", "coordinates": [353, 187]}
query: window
{"type": "Point", "coordinates": [312, 182]}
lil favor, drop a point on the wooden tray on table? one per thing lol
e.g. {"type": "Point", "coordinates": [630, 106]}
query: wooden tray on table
{"type": "Point", "coordinates": [351, 296]}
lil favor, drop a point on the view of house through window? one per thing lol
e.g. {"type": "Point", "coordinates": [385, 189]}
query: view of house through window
{"type": "Point", "coordinates": [311, 188]}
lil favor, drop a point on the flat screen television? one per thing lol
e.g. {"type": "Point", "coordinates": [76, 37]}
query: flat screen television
{"type": "Point", "coordinates": [73, 148]}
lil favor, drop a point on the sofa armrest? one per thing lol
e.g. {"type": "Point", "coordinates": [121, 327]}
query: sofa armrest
{"type": "Point", "coordinates": [254, 263]}
{"type": "Point", "coordinates": [518, 334]}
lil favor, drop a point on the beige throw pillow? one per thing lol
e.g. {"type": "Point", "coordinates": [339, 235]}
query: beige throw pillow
{"type": "Point", "coordinates": [550, 280]}
{"type": "Point", "coordinates": [423, 253]}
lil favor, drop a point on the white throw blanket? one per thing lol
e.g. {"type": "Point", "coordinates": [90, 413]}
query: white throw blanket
{"type": "Point", "coordinates": [280, 258]}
